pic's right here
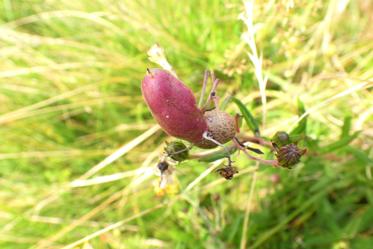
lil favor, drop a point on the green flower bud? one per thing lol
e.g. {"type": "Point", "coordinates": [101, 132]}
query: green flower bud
{"type": "Point", "coordinates": [281, 138]}
{"type": "Point", "coordinates": [177, 150]}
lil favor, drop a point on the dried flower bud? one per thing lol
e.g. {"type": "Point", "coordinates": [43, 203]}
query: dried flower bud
{"type": "Point", "coordinates": [227, 172]}
{"type": "Point", "coordinates": [289, 155]}
{"type": "Point", "coordinates": [177, 150]}
{"type": "Point", "coordinates": [157, 55]}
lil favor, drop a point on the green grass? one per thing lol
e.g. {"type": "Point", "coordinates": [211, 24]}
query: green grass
{"type": "Point", "coordinates": [70, 74]}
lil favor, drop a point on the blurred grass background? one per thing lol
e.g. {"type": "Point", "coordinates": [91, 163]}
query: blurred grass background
{"type": "Point", "coordinates": [71, 114]}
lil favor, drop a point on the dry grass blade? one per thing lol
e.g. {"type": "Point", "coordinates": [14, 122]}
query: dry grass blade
{"type": "Point", "coordinates": [107, 161]}
{"type": "Point", "coordinates": [8, 116]}
{"type": "Point", "coordinates": [112, 227]}
{"type": "Point", "coordinates": [257, 60]}
{"type": "Point", "coordinates": [44, 69]}
{"type": "Point", "coordinates": [247, 210]}
{"type": "Point", "coordinates": [106, 178]}
{"type": "Point", "coordinates": [95, 17]}
{"type": "Point", "coordinates": [47, 242]}
{"type": "Point", "coordinates": [202, 175]}
{"type": "Point", "coordinates": [54, 154]}
{"type": "Point", "coordinates": [120, 152]}
{"type": "Point", "coordinates": [317, 107]}
{"type": "Point", "coordinates": [143, 173]}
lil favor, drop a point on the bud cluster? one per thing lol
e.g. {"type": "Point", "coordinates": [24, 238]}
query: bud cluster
{"type": "Point", "coordinates": [287, 151]}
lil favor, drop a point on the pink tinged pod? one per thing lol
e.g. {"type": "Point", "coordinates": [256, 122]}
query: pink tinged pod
{"type": "Point", "coordinates": [173, 105]}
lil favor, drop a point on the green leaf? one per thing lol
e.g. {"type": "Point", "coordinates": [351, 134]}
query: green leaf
{"type": "Point", "coordinates": [249, 118]}
{"type": "Point", "coordinates": [360, 155]}
{"type": "Point", "coordinates": [346, 126]}
{"type": "Point", "coordinates": [302, 125]}
{"type": "Point", "coordinates": [344, 139]}
{"type": "Point", "coordinates": [340, 144]}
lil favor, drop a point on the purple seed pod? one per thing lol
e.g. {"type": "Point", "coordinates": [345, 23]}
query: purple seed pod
{"type": "Point", "coordinates": [173, 105]}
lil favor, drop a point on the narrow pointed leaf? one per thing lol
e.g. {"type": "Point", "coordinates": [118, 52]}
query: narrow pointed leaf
{"type": "Point", "coordinates": [249, 118]}
{"type": "Point", "coordinates": [340, 143]}
{"type": "Point", "coordinates": [302, 125]}
{"type": "Point", "coordinates": [346, 126]}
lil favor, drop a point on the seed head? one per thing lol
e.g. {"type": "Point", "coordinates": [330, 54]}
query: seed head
{"type": "Point", "coordinates": [221, 126]}
{"type": "Point", "coordinates": [227, 172]}
{"type": "Point", "coordinates": [289, 155]}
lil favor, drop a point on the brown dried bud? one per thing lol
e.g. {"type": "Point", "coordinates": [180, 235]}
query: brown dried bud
{"type": "Point", "coordinates": [289, 155]}
{"type": "Point", "coordinates": [227, 172]}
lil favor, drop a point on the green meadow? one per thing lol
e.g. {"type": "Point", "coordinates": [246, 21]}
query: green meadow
{"type": "Point", "coordinates": [79, 147]}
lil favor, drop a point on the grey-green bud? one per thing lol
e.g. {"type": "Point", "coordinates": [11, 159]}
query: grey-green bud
{"type": "Point", "coordinates": [281, 138]}
{"type": "Point", "coordinates": [177, 150]}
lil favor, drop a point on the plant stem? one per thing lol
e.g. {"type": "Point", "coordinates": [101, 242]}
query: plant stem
{"type": "Point", "coordinates": [257, 140]}
{"type": "Point", "coordinates": [260, 160]}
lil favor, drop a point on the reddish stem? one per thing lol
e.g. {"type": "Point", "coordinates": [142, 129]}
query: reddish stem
{"type": "Point", "coordinates": [263, 161]}
{"type": "Point", "coordinates": [256, 140]}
